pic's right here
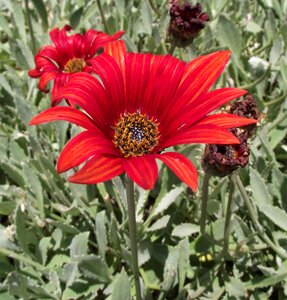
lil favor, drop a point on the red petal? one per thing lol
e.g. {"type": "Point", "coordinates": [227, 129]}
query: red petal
{"type": "Point", "coordinates": [83, 146]}
{"type": "Point", "coordinates": [87, 92]}
{"type": "Point", "coordinates": [142, 170]}
{"type": "Point", "coordinates": [201, 107]}
{"type": "Point", "coordinates": [201, 75]}
{"type": "Point", "coordinates": [181, 166]}
{"type": "Point", "coordinates": [226, 120]}
{"type": "Point", "coordinates": [102, 39]}
{"type": "Point", "coordinates": [59, 82]}
{"type": "Point", "coordinates": [45, 78]}
{"type": "Point", "coordinates": [98, 169]}
{"type": "Point", "coordinates": [64, 113]}
{"type": "Point", "coordinates": [34, 73]}
{"type": "Point", "coordinates": [201, 134]}
{"type": "Point", "coordinates": [117, 50]}
{"type": "Point", "coordinates": [108, 70]}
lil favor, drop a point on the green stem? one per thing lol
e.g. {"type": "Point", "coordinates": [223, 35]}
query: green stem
{"type": "Point", "coordinates": [227, 225]}
{"type": "Point", "coordinates": [253, 216]}
{"type": "Point", "coordinates": [277, 100]}
{"type": "Point", "coordinates": [171, 49]}
{"type": "Point", "coordinates": [30, 27]}
{"type": "Point", "coordinates": [21, 258]}
{"type": "Point", "coordinates": [103, 16]}
{"type": "Point", "coordinates": [154, 8]}
{"type": "Point", "coordinates": [278, 121]}
{"type": "Point", "coordinates": [204, 200]}
{"type": "Point", "coordinates": [133, 234]}
{"type": "Point", "coordinates": [254, 83]}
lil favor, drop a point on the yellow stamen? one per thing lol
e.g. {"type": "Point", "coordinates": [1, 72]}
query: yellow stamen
{"type": "Point", "coordinates": [135, 134]}
{"type": "Point", "coordinates": [74, 65]}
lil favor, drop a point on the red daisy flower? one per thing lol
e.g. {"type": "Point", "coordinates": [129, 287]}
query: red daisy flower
{"type": "Point", "coordinates": [143, 104]}
{"type": "Point", "coordinates": [68, 55]}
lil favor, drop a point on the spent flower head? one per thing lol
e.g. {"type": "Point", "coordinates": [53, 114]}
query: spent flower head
{"type": "Point", "coordinates": [186, 22]}
{"type": "Point", "coordinates": [221, 160]}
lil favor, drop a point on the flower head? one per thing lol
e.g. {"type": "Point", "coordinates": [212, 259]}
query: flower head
{"type": "Point", "coordinates": [221, 160]}
{"type": "Point", "coordinates": [69, 54]}
{"type": "Point", "coordinates": [186, 21]}
{"type": "Point", "coordinates": [142, 105]}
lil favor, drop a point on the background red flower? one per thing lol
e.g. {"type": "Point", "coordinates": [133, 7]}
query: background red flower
{"type": "Point", "coordinates": [68, 55]}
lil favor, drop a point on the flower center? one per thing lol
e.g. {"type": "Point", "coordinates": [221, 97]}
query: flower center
{"type": "Point", "coordinates": [74, 65]}
{"type": "Point", "coordinates": [135, 134]}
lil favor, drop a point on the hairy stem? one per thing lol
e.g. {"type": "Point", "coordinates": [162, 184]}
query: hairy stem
{"type": "Point", "coordinates": [227, 225]}
{"type": "Point", "coordinates": [103, 16]}
{"type": "Point", "coordinates": [133, 234]}
{"type": "Point", "coordinates": [204, 200]}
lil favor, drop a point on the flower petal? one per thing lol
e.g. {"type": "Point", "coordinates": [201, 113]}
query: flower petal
{"type": "Point", "coordinates": [181, 166]}
{"type": "Point", "coordinates": [65, 113]}
{"type": "Point", "coordinates": [201, 134]}
{"type": "Point", "coordinates": [86, 91]}
{"type": "Point", "coordinates": [117, 50]}
{"type": "Point", "coordinates": [202, 75]}
{"type": "Point", "coordinates": [226, 120]}
{"type": "Point", "coordinates": [107, 68]}
{"type": "Point", "coordinates": [201, 107]}
{"type": "Point", "coordinates": [83, 146]}
{"type": "Point", "coordinates": [98, 169]}
{"type": "Point", "coordinates": [142, 170]}
{"type": "Point", "coordinates": [44, 79]}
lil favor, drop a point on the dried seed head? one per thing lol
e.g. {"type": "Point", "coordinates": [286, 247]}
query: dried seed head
{"type": "Point", "coordinates": [186, 21]}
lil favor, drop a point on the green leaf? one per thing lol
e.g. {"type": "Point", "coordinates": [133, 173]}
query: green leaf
{"type": "Point", "coordinates": [265, 281]}
{"type": "Point", "coordinates": [79, 245]}
{"type": "Point", "coordinates": [44, 245]}
{"type": "Point", "coordinates": [166, 201]}
{"type": "Point", "coordinates": [19, 19]}
{"type": "Point", "coordinates": [259, 189]}
{"type": "Point", "coordinates": [76, 17]}
{"type": "Point", "coordinates": [101, 232]}
{"type": "Point", "coordinates": [276, 215]}
{"type": "Point", "coordinates": [122, 287]}
{"type": "Point", "coordinates": [34, 184]}
{"type": "Point", "coordinates": [170, 269]}
{"type": "Point", "coordinates": [184, 230]}
{"type": "Point", "coordinates": [94, 267]}
{"type": "Point", "coordinates": [14, 173]}
{"type": "Point", "coordinates": [183, 262]}
{"type": "Point", "coordinates": [159, 224]}
{"type": "Point", "coordinates": [229, 35]}
{"type": "Point", "coordinates": [41, 8]}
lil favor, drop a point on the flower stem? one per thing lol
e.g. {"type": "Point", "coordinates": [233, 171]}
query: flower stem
{"type": "Point", "coordinates": [103, 16]}
{"type": "Point", "coordinates": [133, 234]}
{"type": "Point", "coordinates": [30, 27]}
{"type": "Point", "coordinates": [204, 200]}
{"type": "Point", "coordinates": [237, 181]}
{"type": "Point", "coordinates": [172, 48]}
{"type": "Point", "coordinates": [227, 225]}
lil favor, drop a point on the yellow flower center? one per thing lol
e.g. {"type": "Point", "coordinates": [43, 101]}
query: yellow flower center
{"type": "Point", "coordinates": [74, 65]}
{"type": "Point", "coordinates": [135, 134]}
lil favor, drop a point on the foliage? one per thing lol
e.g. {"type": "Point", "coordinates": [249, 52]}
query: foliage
{"type": "Point", "coordinates": [65, 241]}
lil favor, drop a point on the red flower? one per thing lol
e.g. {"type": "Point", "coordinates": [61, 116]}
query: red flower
{"type": "Point", "coordinates": [143, 104]}
{"type": "Point", "coordinates": [68, 55]}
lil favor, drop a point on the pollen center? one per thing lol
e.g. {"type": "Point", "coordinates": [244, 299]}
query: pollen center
{"type": "Point", "coordinates": [135, 134]}
{"type": "Point", "coordinates": [74, 65]}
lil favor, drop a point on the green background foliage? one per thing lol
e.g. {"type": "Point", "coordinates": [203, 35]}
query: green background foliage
{"type": "Point", "coordinates": [64, 241]}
